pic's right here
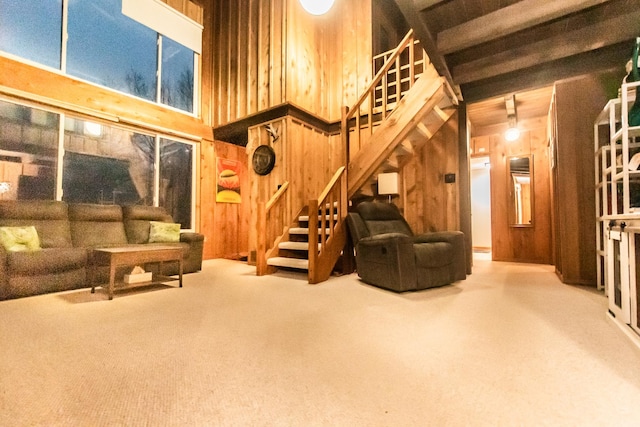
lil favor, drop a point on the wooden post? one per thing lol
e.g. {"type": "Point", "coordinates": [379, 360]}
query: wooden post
{"type": "Point", "coordinates": [261, 249]}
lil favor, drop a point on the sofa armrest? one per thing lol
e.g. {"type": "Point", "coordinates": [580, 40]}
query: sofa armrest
{"type": "Point", "coordinates": [193, 260]}
{"type": "Point", "coordinates": [4, 274]}
{"type": "Point", "coordinates": [189, 237]}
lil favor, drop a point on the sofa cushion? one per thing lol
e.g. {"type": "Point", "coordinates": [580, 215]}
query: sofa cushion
{"type": "Point", "coordinates": [137, 218]}
{"type": "Point", "coordinates": [433, 254]}
{"type": "Point", "coordinates": [95, 225]}
{"type": "Point", "coordinates": [46, 261]}
{"type": "Point", "coordinates": [18, 239]}
{"type": "Point", "coordinates": [163, 232]}
{"type": "Point", "coordinates": [49, 217]}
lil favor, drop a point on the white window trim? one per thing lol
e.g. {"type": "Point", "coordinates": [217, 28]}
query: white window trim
{"type": "Point", "coordinates": [165, 20]}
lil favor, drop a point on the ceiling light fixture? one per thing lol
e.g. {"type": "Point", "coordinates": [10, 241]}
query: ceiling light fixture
{"type": "Point", "coordinates": [512, 132]}
{"type": "Point", "coordinates": [317, 7]}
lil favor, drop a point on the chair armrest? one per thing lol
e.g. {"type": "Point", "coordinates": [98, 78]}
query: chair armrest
{"type": "Point", "coordinates": [453, 237]}
{"type": "Point", "coordinates": [380, 239]}
{"type": "Point", "coordinates": [387, 260]}
{"type": "Point", "coordinates": [385, 248]}
{"type": "Point", "coordinates": [456, 240]}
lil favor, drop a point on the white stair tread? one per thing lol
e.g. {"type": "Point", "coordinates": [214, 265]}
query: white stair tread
{"type": "Point", "coordinates": [295, 246]}
{"type": "Point", "coordinates": [305, 218]}
{"type": "Point", "coordinates": [304, 230]}
{"type": "Point", "coordinates": [301, 264]}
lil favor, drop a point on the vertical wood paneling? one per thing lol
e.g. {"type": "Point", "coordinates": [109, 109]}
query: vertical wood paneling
{"type": "Point", "coordinates": [578, 102]}
{"type": "Point", "coordinates": [225, 225]}
{"type": "Point", "coordinates": [429, 203]}
{"type": "Point", "coordinates": [268, 52]}
{"type": "Point", "coordinates": [525, 244]}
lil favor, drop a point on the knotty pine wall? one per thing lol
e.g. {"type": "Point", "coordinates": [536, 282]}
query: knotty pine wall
{"type": "Point", "coordinates": [306, 157]}
{"type": "Point", "coordinates": [269, 52]}
{"type": "Point", "coordinates": [521, 244]}
{"type": "Point", "coordinates": [265, 53]}
{"type": "Point", "coordinates": [225, 225]}
{"type": "Point", "coordinates": [428, 203]}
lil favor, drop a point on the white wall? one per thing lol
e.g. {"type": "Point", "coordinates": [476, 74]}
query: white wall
{"type": "Point", "coordinates": [480, 202]}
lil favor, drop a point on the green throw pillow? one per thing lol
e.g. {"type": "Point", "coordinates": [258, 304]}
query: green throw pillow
{"type": "Point", "coordinates": [18, 239]}
{"type": "Point", "coordinates": [164, 232]}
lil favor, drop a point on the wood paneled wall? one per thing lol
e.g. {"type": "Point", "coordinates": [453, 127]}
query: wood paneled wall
{"type": "Point", "coordinates": [225, 225]}
{"type": "Point", "coordinates": [429, 203]}
{"type": "Point", "coordinates": [268, 52]}
{"type": "Point", "coordinates": [521, 244]}
{"type": "Point", "coordinates": [306, 157]}
{"type": "Point", "coordinates": [578, 102]}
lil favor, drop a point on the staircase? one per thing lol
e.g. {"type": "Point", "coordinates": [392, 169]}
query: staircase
{"type": "Point", "coordinates": [314, 241]}
{"type": "Point", "coordinates": [382, 133]}
{"type": "Point", "coordinates": [293, 252]}
{"type": "Point", "coordinates": [405, 105]}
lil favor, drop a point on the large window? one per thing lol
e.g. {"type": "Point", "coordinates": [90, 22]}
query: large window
{"type": "Point", "coordinates": [32, 29]}
{"type": "Point", "coordinates": [107, 46]}
{"type": "Point", "coordinates": [177, 75]}
{"type": "Point", "coordinates": [110, 49]}
{"type": "Point", "coordinates": [101, 163]}
{"type": "Point", "coordinates": [28, 152]}
{"type": "Point", "coordinates": [107, 165]}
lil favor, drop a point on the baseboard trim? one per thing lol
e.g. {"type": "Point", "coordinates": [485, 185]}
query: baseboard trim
{"type": "Point", "coordinates": [626, 329]}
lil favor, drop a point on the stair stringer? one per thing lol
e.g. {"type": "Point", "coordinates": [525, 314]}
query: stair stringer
{"type": "Point", "coordinates": [423, 98]}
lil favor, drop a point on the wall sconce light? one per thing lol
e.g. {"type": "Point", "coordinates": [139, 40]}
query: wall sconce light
{"type": "Point", "coordinates": [5, 187]}
{"type": "Point", "coordinates": [317, 7]}
{"type": "Point", "coordinates": [389, 184]}
{"type": "Point", "coordinates": [513, 133]}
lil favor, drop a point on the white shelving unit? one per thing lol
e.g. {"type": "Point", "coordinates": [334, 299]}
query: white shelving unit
{"type": "Point", "coordinates": [617, 196]}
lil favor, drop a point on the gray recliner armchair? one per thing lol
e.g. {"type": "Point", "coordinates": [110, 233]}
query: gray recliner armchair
{"type": "Point", "coordinates": [390, 256]}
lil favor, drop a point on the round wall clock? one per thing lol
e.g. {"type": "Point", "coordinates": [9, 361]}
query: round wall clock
{"type": "Point", "coordinates": [264, 158]}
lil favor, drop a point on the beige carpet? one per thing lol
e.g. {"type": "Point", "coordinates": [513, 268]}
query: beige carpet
{"type": "Point", "coordinates": [510, 346]}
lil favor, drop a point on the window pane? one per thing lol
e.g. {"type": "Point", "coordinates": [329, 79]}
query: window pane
{"type": "Point", "coordinates": [28, 152]}
{"type": "Point", "coordinates": [176, 163]}
{"type": "Point", "coordinates": [32, 30]}
{"type": "Point", "coordinates": [177, 75]}
{"type": "Point", "coordinates": [110, 49]}
{"type": "Point", "coordinates": [107, 165]}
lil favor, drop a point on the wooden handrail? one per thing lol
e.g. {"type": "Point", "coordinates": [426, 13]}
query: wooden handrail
{"type": "Point", "coordinates": [276, 196]}
{"type": "Point", "coordinates": [267, 228]}
{"type": "Point", "coordinates": [327, 233]}
{"type": "Point", "coordinates": [391, 83]}
{"type": "Point", "coordinates": [404, 43]}
{"type": "Point", "coordinates": [332, 183]}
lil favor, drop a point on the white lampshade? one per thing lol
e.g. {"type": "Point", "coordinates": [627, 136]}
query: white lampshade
{"type": "Point", "coordinates": [317, 7]}
{"type": "Point", "coordinates": [389, 183]}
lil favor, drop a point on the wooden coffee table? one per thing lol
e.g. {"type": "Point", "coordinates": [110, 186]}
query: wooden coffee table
{"type": "Point", "coordinates": [131, 256]}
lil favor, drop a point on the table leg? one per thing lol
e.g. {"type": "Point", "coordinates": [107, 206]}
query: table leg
{"type": "Point", "coordinates": [180, 272]}
{"type": "Point", "coordinates": [112, 278]}
{"type": "Point", "coordinates": [92, 278]}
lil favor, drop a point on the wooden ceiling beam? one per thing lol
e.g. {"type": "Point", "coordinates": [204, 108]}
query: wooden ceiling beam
{"type": "Point", "coordinates": [425, 4]}
{"type": "Point", "coordinates": [508, 20]}
{"type": "Point", "coordinates": [420, 29]}
{"type": "Point", "coordinates": [611, 58]}
{"type": "Point", "coordinates": [606, 33]}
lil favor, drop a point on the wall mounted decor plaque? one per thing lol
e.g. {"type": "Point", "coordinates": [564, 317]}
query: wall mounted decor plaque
{"type": "Point", "coordinates": [264, 158]}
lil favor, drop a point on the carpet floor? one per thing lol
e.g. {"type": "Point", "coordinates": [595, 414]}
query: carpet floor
{"type": "Point", "coordinates": [510, 346]}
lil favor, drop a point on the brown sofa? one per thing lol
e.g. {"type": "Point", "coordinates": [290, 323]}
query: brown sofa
{"type": "Point", "coordinates": [68, 234]}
